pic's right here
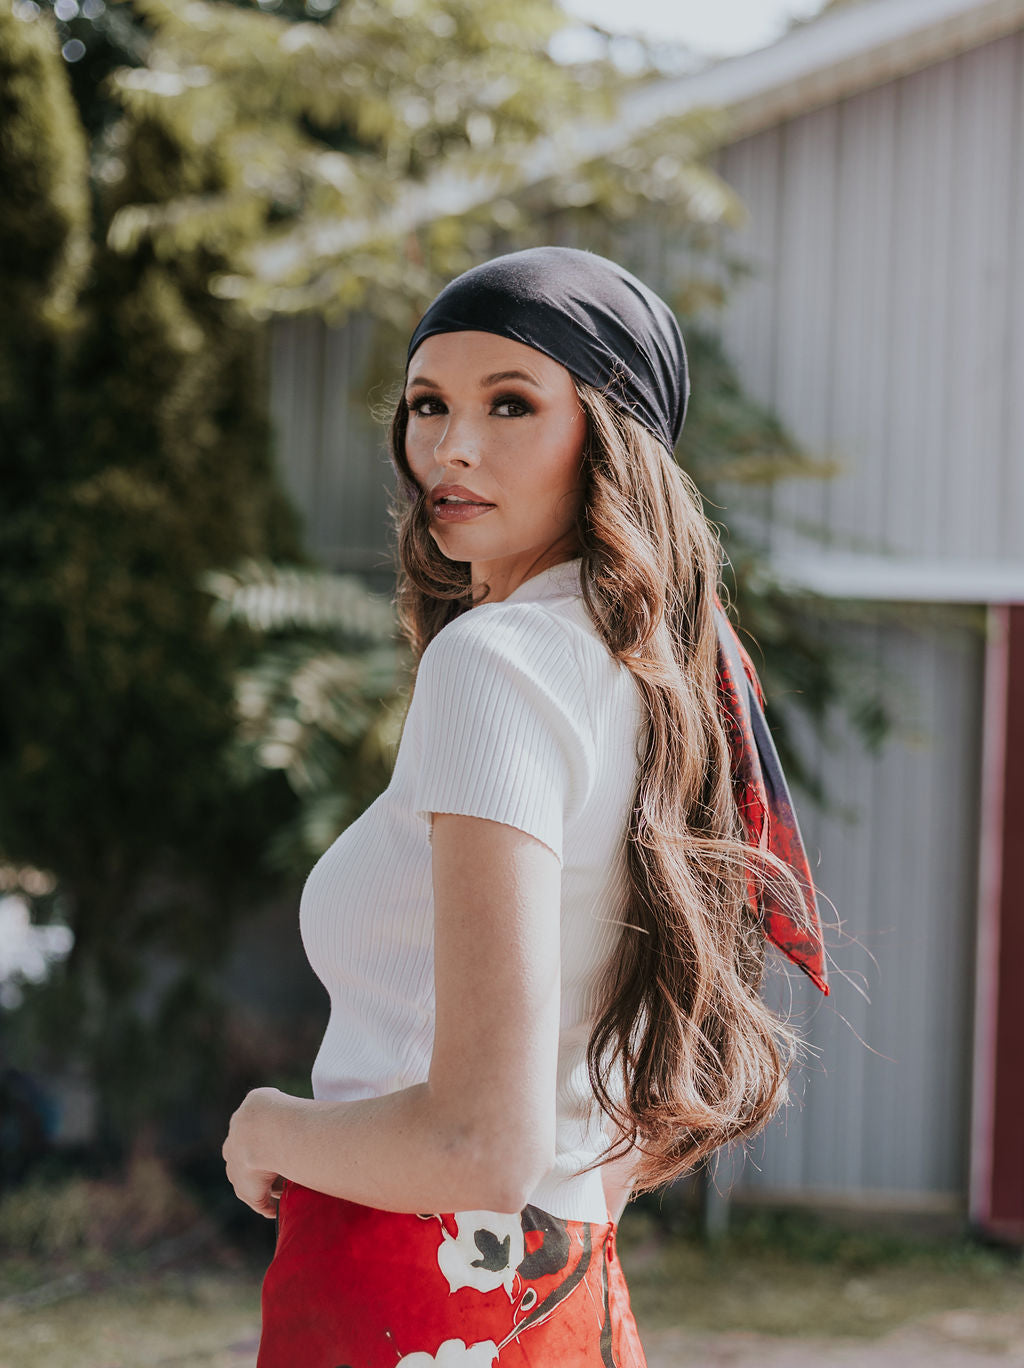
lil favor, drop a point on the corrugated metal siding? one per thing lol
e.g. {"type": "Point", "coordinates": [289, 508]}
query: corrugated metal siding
{"type": "Point", "coordinates": [331, 454]}
{"type": "Point", "coordinates": [885, 324]}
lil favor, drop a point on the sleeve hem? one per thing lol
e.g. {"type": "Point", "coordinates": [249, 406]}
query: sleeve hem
{"type": "Point", "coordinates": [428, 817]}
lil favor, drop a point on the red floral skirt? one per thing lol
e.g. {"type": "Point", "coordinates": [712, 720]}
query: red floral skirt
{"type": "Point", "coordinates": [351, 1286]}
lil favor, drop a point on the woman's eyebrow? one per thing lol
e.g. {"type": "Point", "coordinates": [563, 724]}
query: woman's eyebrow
{"type": "Point", "coordinates": [495, 378]}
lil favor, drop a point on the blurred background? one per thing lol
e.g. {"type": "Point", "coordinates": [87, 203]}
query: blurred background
{"type": "Point", "coordinates": [219, 223]}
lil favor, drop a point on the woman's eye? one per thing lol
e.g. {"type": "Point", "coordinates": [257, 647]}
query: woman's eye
{"type": "Point", "coordinates": [516, 403]}
{"type": "Point", "coordinates": [519, 407]}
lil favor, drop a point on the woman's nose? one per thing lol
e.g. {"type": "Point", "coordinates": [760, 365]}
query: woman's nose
{"type": "Point", "coordinates": [458, 445]}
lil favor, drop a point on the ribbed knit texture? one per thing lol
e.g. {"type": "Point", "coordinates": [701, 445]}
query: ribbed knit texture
{"type": "Point", "coordinates": [519, 715]}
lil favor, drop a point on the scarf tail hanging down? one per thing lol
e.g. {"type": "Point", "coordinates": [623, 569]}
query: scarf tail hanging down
{"type": "Point", "coordinates": [764, 802]}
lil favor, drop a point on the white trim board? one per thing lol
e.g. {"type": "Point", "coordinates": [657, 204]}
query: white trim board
{"type": "Point", "coordinates": [823, 61]}
{"type": "Point", "coordinates": [899, 579]}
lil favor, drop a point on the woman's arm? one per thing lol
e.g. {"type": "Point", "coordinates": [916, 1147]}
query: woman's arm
{"type": "Point", "coordinates": [480, 1133]}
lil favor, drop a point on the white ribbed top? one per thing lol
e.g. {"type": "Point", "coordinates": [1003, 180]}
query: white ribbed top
{"type": "Point", "coordinates": [520, 715]}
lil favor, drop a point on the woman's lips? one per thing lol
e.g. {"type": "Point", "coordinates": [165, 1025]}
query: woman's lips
{"type": "Point", "coordinates": [460, 512]}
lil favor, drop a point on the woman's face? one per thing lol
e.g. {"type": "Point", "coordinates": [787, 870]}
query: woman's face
{"type": "Point", "coordinates": [503, 424]}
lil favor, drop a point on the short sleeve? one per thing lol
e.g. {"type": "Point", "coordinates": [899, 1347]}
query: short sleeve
{"type": "Point", "coordinates": [501, 728]}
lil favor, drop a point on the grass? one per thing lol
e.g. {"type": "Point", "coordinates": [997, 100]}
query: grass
{"type": "Point", "coordinates": [202, 1319]}
{"type": "Point", "coordinates": [126, 1272]}
{"type": "Point", "coordinates": [790, 1274]}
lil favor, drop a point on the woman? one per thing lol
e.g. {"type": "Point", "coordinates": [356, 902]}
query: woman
{"type": "Point", "coordinates": [543, 942]}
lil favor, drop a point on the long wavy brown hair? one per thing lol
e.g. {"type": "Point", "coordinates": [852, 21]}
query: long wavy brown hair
{"type": "Point", "coordinates": [684, 1055]}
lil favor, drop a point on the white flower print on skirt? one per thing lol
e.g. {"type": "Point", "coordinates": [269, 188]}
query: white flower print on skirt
{"type": "Point", "coordinates": [453, 1353]}
{"type": "Point", "coordinates": [486, 1252]}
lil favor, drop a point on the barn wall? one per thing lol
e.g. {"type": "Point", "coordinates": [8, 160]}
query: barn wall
{"type": "Point", "coordinates": [885, 320]}
{"type": "Point", "coordinates": [331, 453]}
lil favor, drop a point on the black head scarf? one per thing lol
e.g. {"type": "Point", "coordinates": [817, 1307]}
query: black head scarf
{"type": "Point", "coordinates": [583, 311]}
{"type": "Point", "coordinates": [613, 332]}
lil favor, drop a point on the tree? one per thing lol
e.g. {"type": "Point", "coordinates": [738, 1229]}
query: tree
{"type": "Point", "coordinates": [136, 456]}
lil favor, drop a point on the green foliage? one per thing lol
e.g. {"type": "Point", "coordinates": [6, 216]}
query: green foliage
{"type": "Point", "coordinates": [43, 236]}
{"type": "Point", "coordinates": [91, 1220]}
{"type": "Point", "coordinates": [324, 700]}
{"type": "Point", "coordinates": [364, 152]}
{"type": "Point", "coordinates": [43, 230]}
{"type": "Point", "coordinates": [136, 456]}
{"type": "Point", "coordinates": [317, 123]}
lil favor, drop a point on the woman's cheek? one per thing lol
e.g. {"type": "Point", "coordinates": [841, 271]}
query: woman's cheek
{"type": "Point", "coordinates": [416, 458]}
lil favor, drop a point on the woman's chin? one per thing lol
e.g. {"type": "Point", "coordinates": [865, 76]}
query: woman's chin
{"type": "Point", "coordinates": [464, 543]}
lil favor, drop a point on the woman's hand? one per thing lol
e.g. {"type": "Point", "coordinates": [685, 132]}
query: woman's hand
{"type": "Point", "coordinates": [257, 1187]}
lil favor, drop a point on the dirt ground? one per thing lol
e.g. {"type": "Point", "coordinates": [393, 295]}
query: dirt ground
{"type": "Point", "coordinates": [952, 1339]}
{"type": "Point", "coordinates": [93, 1335]}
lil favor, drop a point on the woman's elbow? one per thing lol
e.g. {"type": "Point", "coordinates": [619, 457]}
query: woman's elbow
{"type": "Point", "coordinates": [503, 1190]}
{"type": "Point", "coordinates": [508, 1167]}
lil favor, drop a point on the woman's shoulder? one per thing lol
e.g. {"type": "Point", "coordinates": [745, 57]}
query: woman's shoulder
{"type": "Point", "coordinates": [554, 641]}
{"type": "Point", "coordinates": [500, 722]}
{"type": "Point", "coordinates": [525, 635]}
